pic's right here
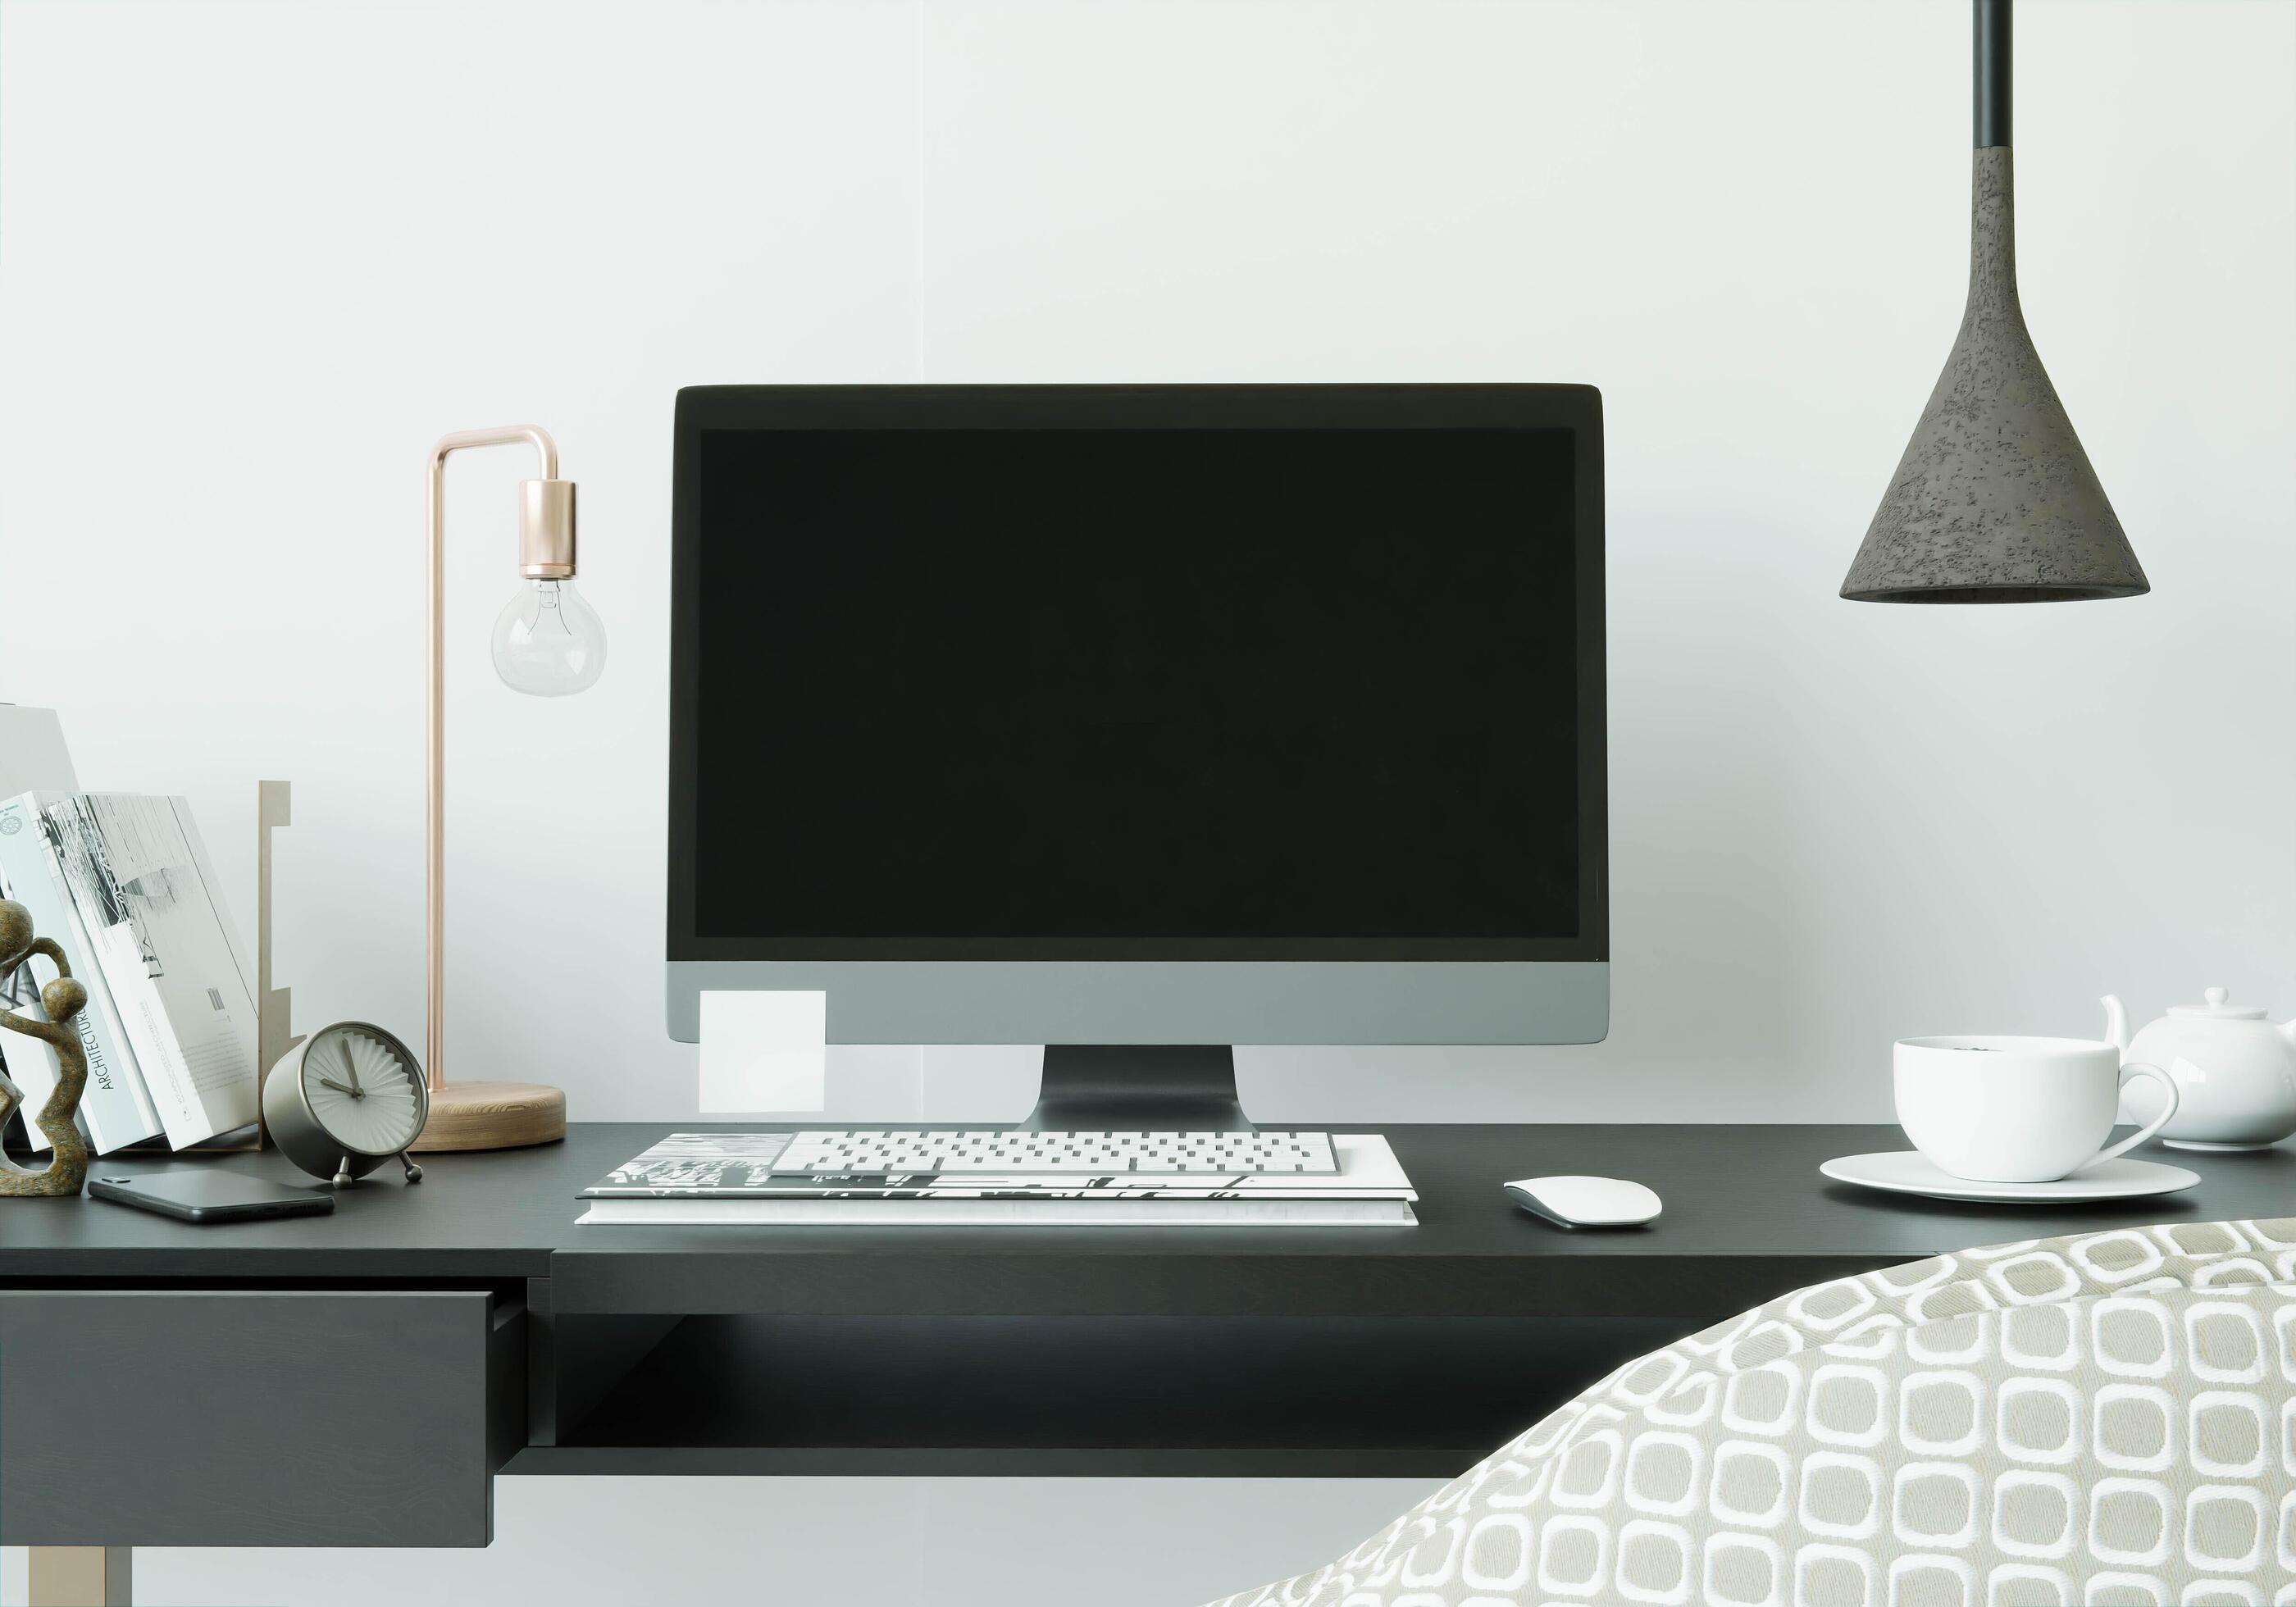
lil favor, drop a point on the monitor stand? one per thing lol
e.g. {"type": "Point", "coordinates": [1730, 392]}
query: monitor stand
{"type": "Point", "coordinates": [1138, 1088]}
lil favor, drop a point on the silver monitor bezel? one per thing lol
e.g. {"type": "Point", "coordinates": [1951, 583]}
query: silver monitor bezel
{"type": "Point", "coordinates": [963, 990]}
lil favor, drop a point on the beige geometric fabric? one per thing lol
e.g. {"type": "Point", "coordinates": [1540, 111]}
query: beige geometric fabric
{"type": "Point", "coordinates": [2106, 1418]}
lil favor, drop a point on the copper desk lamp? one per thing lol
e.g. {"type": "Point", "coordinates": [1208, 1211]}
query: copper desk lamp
{"type": "Point", "coordinates": [548, 642]}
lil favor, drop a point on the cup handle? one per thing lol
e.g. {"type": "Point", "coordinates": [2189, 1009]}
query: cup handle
{"type": "Point", "coordinates": [2139, 1068]}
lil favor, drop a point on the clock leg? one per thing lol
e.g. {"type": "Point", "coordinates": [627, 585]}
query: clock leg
{"type": "Point", "coordinates": [80, 1576]}
{"type": "Point", "coordinates": [343, 1179]}
{"type": "Point", "coordinates": [414, 1172]}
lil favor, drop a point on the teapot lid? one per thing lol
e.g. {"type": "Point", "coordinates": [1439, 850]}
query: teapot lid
{"type": "Point", "coordinates": [2217, 1009]}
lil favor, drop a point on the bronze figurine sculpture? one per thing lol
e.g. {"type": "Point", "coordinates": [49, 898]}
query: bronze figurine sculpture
{"type": "Point", "coordinates": [62, 999]}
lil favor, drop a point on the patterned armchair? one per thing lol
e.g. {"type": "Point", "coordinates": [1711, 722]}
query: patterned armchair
{"type": "Point", "coordinates": [2101, 1419]}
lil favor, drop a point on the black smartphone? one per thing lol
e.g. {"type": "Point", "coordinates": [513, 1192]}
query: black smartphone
{"type": "Point", "coordinates": [201, 1196]}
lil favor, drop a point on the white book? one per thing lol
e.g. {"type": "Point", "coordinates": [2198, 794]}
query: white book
{"type": "Point", "coordinates": [115, 1109]}
{"type": "Point", "coordinates": [33, 758]}
{"type": "Point", "coordinates": [168, 951]}
{"type": "Point", "coordinates": [1254, 1212]}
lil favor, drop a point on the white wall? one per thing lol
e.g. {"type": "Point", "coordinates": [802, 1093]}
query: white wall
{"type": "Point", "coordinates": [255, 257]}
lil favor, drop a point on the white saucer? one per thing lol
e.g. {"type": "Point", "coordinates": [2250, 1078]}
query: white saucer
{"type": "Point", "coordinates": [1911, 1172]}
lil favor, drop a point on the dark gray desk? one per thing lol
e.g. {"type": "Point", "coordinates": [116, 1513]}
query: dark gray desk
{"type": "Point", "coordinates": [358, 1379]}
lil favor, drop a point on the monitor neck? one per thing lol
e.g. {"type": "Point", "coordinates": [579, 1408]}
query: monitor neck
{"type": "Point", "coordinates": [1126, 1088]}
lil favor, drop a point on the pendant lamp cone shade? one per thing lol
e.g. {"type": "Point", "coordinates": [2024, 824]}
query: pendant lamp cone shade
{"type": "Point", "coordinates": [1995, 500]}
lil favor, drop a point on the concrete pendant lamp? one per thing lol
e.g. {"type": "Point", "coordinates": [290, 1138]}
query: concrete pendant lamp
{"type": "Point", "coordinates": [1995, 500]}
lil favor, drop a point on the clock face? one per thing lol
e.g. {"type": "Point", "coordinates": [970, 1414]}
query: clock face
{"type": "Point", "coordinates": [363, 1088]}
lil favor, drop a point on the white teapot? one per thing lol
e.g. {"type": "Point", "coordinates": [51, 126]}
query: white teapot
{"type": "Point", "coordinates": [2235, 1072]}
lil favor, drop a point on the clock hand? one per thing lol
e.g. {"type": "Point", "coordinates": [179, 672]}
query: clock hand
{"type": "Point", "coordinates": [329, 1082]}
{"type": "Point", "coordinates": [351, 1066]}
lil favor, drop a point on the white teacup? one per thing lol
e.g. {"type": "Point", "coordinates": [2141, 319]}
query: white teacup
{"type": "Point", "coordinates": [2017, 1109]}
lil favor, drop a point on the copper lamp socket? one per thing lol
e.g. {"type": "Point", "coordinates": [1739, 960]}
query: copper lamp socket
{"type": "Point", "coordinates": [546, 529]}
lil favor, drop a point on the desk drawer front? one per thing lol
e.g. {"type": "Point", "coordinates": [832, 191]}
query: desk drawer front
{"type": "Point", "coordinates": [156, 1417]}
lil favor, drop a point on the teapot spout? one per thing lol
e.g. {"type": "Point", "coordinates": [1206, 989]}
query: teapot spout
{"type": "Point", "coordinates": [2286, 1029]}
{"type": "Point", "coordinates": [2116, 1023]}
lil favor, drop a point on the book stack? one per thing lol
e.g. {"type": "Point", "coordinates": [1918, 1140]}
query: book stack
{"type": "Point", "coordinates": [728, 1178]}
{"type": "Point", "coordinates": [123, 884]}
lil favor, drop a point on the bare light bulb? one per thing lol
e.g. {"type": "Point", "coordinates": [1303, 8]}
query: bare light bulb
{"type": "Point", "coordinates": [548, 642]}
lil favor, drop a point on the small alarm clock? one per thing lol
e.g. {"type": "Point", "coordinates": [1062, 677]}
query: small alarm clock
{"type": "Point", "coordinates": [344, 1101]}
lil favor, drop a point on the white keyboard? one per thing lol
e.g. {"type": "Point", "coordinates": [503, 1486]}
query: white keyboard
{"type": "Point", "coordinates": [1000, 1151]}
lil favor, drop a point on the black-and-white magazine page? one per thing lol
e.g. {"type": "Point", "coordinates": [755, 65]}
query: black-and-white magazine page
{"type": "Point", "coordinates": [734, 1166]}
{"type": "Point", "coordinates": [168, 953]}
{"type": "Point", "coordinates": [698, 1163]}
{"type": "Point", "coordinates": [33, 759]}
{"type": "Point", "coordinates": [116, 1109]}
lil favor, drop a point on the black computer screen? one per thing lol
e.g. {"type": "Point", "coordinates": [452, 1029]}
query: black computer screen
{"type": "Point", "coordinates": [1077, 693]}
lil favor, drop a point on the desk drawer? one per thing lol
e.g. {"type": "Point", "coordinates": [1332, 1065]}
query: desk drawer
{"type": "Point", "coordinates": [200, 1417]}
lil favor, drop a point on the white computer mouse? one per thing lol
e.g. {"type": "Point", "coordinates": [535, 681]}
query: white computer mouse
{"type": "Point", "coordinates": [1585, 1202]}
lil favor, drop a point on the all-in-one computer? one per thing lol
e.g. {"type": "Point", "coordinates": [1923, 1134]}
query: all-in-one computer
{"type": "Point", "coordinates": [1141, 721]}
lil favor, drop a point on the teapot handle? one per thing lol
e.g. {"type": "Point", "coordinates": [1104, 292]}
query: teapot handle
{"type": "Point", "coordinates": [2116, 1022]}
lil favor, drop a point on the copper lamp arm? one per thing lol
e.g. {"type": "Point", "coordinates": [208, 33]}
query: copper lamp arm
{"type": "Point", "coordinates": [498, 435]}
{"type": "Point", "coordinates": [545, 551]}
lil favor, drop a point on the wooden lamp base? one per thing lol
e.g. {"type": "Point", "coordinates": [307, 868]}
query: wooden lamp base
{"type": "Point", "coordinates": [493, 1116]}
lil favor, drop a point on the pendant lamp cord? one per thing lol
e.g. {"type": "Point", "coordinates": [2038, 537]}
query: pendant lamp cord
{"type": "Point", "coordinates": [1991, 86]}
